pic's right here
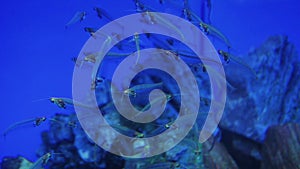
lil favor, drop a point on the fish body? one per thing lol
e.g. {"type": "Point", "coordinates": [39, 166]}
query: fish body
{"type": "Point", "coordinates": [155, 18]}
{"type": "Point", "coordinates": [63, 102]}
{"type": "Point", "coordinates": [209, 29]}
{"type": "Point", "coordinates": [60, 102]}
{"type": "Point", "coordinates": [102, 13]}
{"type": "Point", "coordinates": [91, 31]}
{"type": "Point", "coordinates": [139, 6]}
{"type": "Point", "coordinates": [186, 10]}
{"type": "Point", "coordinates": [78, 17]}
{"type": "Point", "coordinates": [90, 58]}
{"type": "Point", "coordinates": [68, 124]}
{"type": "Point", "coordinates": [192, 14]}
{"type": "Point", "coordinates": [152, 17]}
{"type": "Point", "coordinates": [41, 162]}
{"type": "Point", "coordinates": [168, 98]}
{"type": "Point", "coordinates": [227, 57]}
{"type": "Point", "coordinates": [132, 91]}
{"type": "Point", "coordinates": [209, 7]}
{"type": "Point", "coordinates": [35, 121]}
{"type": "Point", "coordinates": [137, 45]}
{"type": "Point", "coordinates": [117, 54]}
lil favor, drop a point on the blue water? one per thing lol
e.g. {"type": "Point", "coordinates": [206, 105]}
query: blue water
{"type": "Point", "coordinates": [36, 50]}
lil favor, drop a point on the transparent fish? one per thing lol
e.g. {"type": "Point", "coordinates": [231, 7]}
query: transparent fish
{"type": "Point", "coordinates": [35, 121]}
{"type": "Point", "coordinates": [78, 17]}
{"type": "Point", "coordinates": [91, 31]}
{"type": "Point", "coordinates": [102, 13]}
{"type": "Point", "coordinates": [132, 91]}
{"type": "Point", "coordinates": [153, 17]}
{"type": "Point", "coordinates": [42, 161]}
{"type": "Point", "coordinates": [137, 45]}
{"type": "Point", "coordinates": [210, 30]}
{"type": "Point", "coordinates": [68, 124]}
{"type": "Point", "coordinates": [227, 57]}
{"type": "Point", "coordinates": [62, 102]}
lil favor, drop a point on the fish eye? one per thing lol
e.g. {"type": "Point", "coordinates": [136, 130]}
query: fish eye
{"type": "Point", "coordinates": [99, 79]}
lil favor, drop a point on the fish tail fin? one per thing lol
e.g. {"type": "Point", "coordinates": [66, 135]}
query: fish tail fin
{"type": "Point", "coordinates": [40, 99]}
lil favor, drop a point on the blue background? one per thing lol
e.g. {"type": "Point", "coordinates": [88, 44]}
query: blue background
{"type": "Point", "coordinates": [36, 50]}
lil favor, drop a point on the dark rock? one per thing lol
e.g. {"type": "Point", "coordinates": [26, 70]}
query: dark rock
{"type": "Point", "coordinates": [272, 98]}
{"type": "Point", "coordinates": [216, 156]}
{"type": "Point", "coordinates": [281, 149]}
{"type": "Point", "coordinates": [245, 152]}
{"type": "Point", "coordinates": [15, 163]}
{"type": "Point", "coordinates": [60, 124]}
{"type": "Point", "coordinates": [73, 145]}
